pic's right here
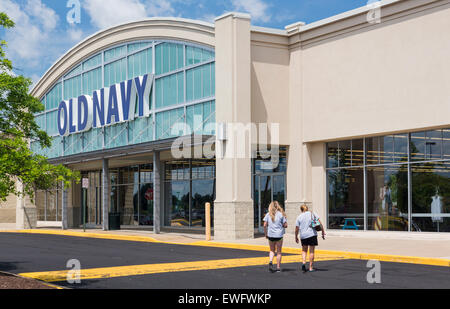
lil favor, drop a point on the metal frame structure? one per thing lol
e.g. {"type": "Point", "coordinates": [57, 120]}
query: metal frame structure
{"type": "Point", "coordinates": [365, 166]}
{"type": "Point", "coordinates": [153, 109]}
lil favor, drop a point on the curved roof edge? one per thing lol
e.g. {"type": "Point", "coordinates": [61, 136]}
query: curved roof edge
{"type": "Point", "coordinates": [174, 20]}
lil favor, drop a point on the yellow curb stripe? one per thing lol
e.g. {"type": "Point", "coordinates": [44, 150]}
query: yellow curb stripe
{"type": "Point", "coordinates": [136, 270]}
{"type": "Point", "coordinates": [87, 235]}
{"type": "Point", "coordinates": [341, 254]}
{"type": "Point", "coordinates": [388, 258]}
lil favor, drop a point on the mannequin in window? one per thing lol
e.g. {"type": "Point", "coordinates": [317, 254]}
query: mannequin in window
{"type": "Point", "coordinates": [385, 196]}
{"type": "Point", "coordinates": [436, 207]}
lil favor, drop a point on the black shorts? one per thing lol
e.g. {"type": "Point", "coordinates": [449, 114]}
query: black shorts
{"type": "Point", "coordinates": [311, 241]}
{"type": "Point", "coordinates": [274, 239]}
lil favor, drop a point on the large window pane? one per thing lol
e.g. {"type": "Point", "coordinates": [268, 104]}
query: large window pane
{"type": "Point", "coordinates": [346, 198]}
{"type": "Point", "coordinates": [431, 196]}
{"type": "Point", "coordinates": [387, 198]}
{"type": "Point", "coordinates": [202, 193]}
{"type": "Point", "coordinates": [417, 146]}
{"type": "Point", "coordinates": [400, 148]}
{"type": "Point", "coordinates": [177, 203]}
{"type": "Point", "coordinates": [333, 154]}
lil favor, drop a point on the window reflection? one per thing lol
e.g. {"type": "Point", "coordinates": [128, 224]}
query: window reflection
{"type": "Point", "coordinates": [388, 186]}
{"type": "Point", "coordinates": [387, 197]}
{"type": "Point", "coordinates": [189, 185]}
{"type": "Point", "coordinates": [431, 196]}
{"type": "Point", "coordinates": [346, 198]}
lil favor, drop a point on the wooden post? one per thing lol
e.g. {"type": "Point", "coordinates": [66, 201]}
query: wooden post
{"type": "Point", "coordinates": [208, 220]}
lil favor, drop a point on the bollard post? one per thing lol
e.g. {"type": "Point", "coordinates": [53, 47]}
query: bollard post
{"type": "Point", "coordinates": [208, 220]}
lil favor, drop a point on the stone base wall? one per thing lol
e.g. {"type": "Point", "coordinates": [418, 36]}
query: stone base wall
{"type": "Point", "coordinates": [7, 215]}
{"type": "Point", "coordinates": [233, 220]}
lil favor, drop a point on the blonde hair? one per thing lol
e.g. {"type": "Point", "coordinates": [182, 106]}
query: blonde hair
{"type": "Point", "coordinates": [273, 208]}
{"type": "Point", "coordinates": [304, 208]}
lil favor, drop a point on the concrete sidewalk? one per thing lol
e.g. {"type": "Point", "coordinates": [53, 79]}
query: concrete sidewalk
{"type": "Point", "coordinates": [404, 244]}
{"type": "Point", "coordinates": [426, 245]}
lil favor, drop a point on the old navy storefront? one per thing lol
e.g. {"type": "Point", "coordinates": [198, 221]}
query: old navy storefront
{"type": "Point", "coordinates": [143, 110]}
{"type": "Point", "coordinates": [118, 108]}
{"type": "Point", "coordinates": [116, 115]}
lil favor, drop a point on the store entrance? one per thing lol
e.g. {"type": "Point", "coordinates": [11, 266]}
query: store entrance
{"type": "Point", "coordinates": [268, 187]}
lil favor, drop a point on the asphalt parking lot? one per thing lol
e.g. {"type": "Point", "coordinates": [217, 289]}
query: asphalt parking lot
{"type": "Point", "coordinates": [120, 264]}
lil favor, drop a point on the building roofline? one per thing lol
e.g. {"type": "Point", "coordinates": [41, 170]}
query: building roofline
{"type": "Point", "coordinates": [100, 32]}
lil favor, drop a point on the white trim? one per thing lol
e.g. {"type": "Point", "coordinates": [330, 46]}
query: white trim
{"type": "Point", "coordinates": [234, 15]}
{"type": "Point", "coordinates": [335, 18]}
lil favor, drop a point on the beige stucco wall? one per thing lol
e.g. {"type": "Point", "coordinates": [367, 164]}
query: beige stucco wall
{"type": "Point", "coordinates": [8, 210]}
{"type": "Point", "coordinates": [270, 86]}
{"type": "Point", "coordinates": [385, 78]}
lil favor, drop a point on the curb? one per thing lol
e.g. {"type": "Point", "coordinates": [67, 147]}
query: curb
{"type": "Point", "coordinates": [263, 248]}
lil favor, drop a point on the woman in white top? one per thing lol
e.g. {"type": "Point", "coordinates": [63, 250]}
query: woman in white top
{"type": "Point", "coordinates": [308, 235]}
{"type": "Point", "coordinates": [274, 225]}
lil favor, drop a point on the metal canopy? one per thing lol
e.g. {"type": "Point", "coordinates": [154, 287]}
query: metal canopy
{"type": "Point", "coordinates": [148, 147]}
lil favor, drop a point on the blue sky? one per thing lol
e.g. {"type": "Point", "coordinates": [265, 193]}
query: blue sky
{"type": "Point", "coordinates": [42, 33]}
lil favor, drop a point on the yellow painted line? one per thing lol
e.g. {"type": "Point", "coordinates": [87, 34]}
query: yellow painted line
{"type": "Point", "coordinates": [136, 270]}
{"type": "Point", "coordinates": [388, 258]}
{"type": "Point", "coordinates": [86, 234]}
{"type": "Point", "coordinates": [262, 248]}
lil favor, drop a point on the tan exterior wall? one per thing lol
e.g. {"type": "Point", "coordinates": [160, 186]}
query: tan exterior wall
{"type": "Point", "coordinates": [8, 210]}
{"type": "Point", "coordinates": [270, 86]}
{"type": "Point", "coordinates": [335, 79]}
{"type": "Point", "coordinates": [389, 77]}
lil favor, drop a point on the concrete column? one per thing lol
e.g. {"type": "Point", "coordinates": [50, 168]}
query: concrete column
{"type": "Point", "coordinates": [233, 207]}
{"type": "Point", "coordinates": [26, 212]}
{"type": "Point", "coordinates": [318, 176]}
{"type": "Point", "coordinates": [64, 199]}
{"type": "Point", "coordinates": [156, 193]}
{"type": "Point", "coordinates": [106, 197]}
{"type": "Point", "coordinates": [295, 158]}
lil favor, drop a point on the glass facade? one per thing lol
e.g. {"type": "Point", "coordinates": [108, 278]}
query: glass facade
{"type": "Point", "coordinates": [392, 183]}
{"type": "Point", "coordinates": [131, 195]}
{"type": "Point", "coordinates": [188, 186]}
{"type": "Point", "coordinates": [183, 92]}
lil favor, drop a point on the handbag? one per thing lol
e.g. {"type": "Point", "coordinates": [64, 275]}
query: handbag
{"type": "Point", "coordinates": [315, 223]}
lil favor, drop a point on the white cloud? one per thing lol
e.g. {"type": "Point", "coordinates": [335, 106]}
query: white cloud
{"type": "Point", "coordinates": [26, 38]}
{"type": "Point", "coordinates": [36, 40]}
{"type": "Point", "coordinates": [46, 16]}
{"type": "Point", "coordinates": [258, 9]}
{"type": "Point", "coordinates": [160, 8]}
{"type": "Point", "coordinates": [210, 18]}
{"type": "Point", "coordinates": [75, 34]}
{"type": "Point", "coordinates": [115, 12]}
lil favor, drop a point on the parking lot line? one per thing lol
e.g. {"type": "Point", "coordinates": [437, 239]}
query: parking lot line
{"type": "Point", "coordinates": [340, 254]}
{"type": "Point", "coordinates": [135, 270]}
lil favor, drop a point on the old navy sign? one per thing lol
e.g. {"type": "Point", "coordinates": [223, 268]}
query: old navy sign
{"type": "Point", "coordinates": [107, 106]}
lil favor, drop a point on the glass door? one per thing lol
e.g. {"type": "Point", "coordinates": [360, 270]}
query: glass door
{"type": "Point", "coordinates": [268, 188]}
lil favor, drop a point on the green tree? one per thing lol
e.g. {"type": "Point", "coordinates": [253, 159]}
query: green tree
{"type": "Point", "coordinates": [17, 128]}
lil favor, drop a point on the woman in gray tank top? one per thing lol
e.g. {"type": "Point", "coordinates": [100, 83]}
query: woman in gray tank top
{"type": "Point", "coordinates": [274, 224]}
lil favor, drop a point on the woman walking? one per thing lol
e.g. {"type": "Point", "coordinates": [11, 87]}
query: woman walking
{"type": "Point", "coordinates": [308, 224]}
{"type": "Point", "coordinates": [274, 225]}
